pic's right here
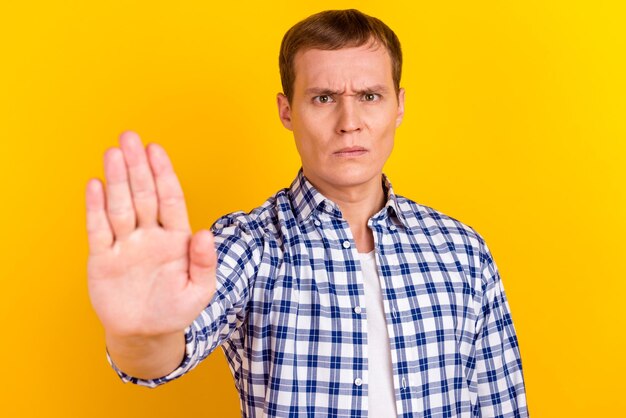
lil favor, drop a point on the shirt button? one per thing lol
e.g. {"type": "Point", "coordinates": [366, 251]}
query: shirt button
{"type": "Point", "coordinates": [346, 244]}
{"type": "Point", "coordinates": [392, 227]}
{"type": "Point", "coordinates": [358, 381]}
{"type": "Point", "coordinates": [317, 223]}
{"type": "Point", "coordinates": [357, 309]}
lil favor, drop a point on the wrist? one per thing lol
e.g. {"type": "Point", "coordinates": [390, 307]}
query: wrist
{"type": "Point", "coordinates": [146, 357]}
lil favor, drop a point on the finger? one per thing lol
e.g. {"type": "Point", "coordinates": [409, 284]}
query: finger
{"type": "Point", "coordinates": [203, 260]}
{"type": "Point", "coordinates": [119, 203]}
{"type": "Point", "coordinates": [99, 231]}
{"type": "Point", "coordinates": [172, 208]}
{"type": "Point", "coordinates": [141, 180]}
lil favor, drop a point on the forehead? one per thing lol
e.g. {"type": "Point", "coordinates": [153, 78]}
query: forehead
{"type": "Point", "coordinates": [347, 67]}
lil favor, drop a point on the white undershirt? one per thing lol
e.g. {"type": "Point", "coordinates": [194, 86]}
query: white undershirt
{"type": "Point", "coordinates": [381, 399]}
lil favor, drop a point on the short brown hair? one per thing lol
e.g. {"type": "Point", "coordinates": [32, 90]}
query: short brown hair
{"type": "Point", "coordinates": [336, 29]}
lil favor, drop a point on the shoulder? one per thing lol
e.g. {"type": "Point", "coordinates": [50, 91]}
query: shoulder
{"type": "Point", "coordinates": [259, 222]}
{"type": "Point", "coordinates": [242, 238]}
{"type": "Point", "coordinates": [447, 235]}
{"type": "Point", "coordinates": [440, 227]}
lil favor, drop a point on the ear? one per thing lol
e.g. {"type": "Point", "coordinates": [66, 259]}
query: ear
{"type": "Point", "coordinates": [400, 115]}
{"type": "Point", "coordinates": [284, 110]}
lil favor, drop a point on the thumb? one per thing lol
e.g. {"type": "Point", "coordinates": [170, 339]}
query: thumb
{"type": "Point", "coordinates": [203, 259]}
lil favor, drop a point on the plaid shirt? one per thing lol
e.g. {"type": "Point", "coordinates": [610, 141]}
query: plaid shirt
{"type": "Point", "coordinates": [289, 312]}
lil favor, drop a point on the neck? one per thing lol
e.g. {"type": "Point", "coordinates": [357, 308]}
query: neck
{"type": "Point", "coordinates": [358, 203]}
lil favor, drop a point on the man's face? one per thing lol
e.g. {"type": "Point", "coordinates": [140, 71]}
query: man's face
{"type": "Point", "coordinates": [343, 114]}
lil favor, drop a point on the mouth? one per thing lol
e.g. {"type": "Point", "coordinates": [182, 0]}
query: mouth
{"type": "Point", "coordinates": [350, 152]}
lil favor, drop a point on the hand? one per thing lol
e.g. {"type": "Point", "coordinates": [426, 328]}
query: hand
{"type": "Point", "coordinates": [148, 276]}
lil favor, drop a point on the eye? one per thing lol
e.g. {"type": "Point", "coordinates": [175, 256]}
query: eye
{"type": "Point", "coordinates": [324, 98]}
{"type": "Point", "coordinates": [371, 97]}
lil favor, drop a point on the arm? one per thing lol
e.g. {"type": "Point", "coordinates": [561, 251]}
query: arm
{"type": "Point", "coordinates": [501, 391]}
{"type": "Point", "coordinates": [239, 255]}
{"type": "Point", "coordinates": [148, 276]}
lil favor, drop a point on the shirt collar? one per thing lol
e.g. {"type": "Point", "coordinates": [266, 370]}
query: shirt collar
{"type": "Point", "coordinates": [307, 200]}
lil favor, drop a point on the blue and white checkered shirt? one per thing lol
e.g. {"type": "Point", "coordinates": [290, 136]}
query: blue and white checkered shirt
{"type": "Point", "coordinates": [289, 312]}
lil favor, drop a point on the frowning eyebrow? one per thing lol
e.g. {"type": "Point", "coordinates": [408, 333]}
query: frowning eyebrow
{"type": "Point", "coordinates": [321, 91]}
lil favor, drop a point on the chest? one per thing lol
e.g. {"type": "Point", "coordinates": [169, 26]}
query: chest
{"type": "Point", "coordinates": [312, 286]}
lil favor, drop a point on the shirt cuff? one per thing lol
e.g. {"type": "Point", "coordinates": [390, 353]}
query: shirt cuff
{"type": "Point", "coordinates": [184, 367]}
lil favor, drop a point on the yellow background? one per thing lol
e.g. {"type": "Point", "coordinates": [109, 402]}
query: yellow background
{"type": "Point", "coordinates": [514, 125]}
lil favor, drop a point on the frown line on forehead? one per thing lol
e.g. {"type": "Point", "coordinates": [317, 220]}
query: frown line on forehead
{"type": "Point", "coordinates": [375, 88]}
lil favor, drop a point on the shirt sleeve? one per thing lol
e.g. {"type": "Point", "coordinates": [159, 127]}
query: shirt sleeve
{"type": "Point", "coordinates": [238, 256]}
{"type": "Point", "coordinates": [501, 390]}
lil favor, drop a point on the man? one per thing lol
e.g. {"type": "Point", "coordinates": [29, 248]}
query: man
{"type": "Point", "coordinates": [336, 297]}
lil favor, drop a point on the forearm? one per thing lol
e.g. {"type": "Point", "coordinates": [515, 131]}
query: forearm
{"type": "Point", "coordinates": [147, 357]}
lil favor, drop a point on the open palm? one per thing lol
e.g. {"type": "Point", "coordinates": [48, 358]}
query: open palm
{"type": "Point", "coordinates": [147, 274]}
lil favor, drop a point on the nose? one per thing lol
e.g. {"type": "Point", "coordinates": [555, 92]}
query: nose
{"type": "Point", "coordinates": [349, 119]}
